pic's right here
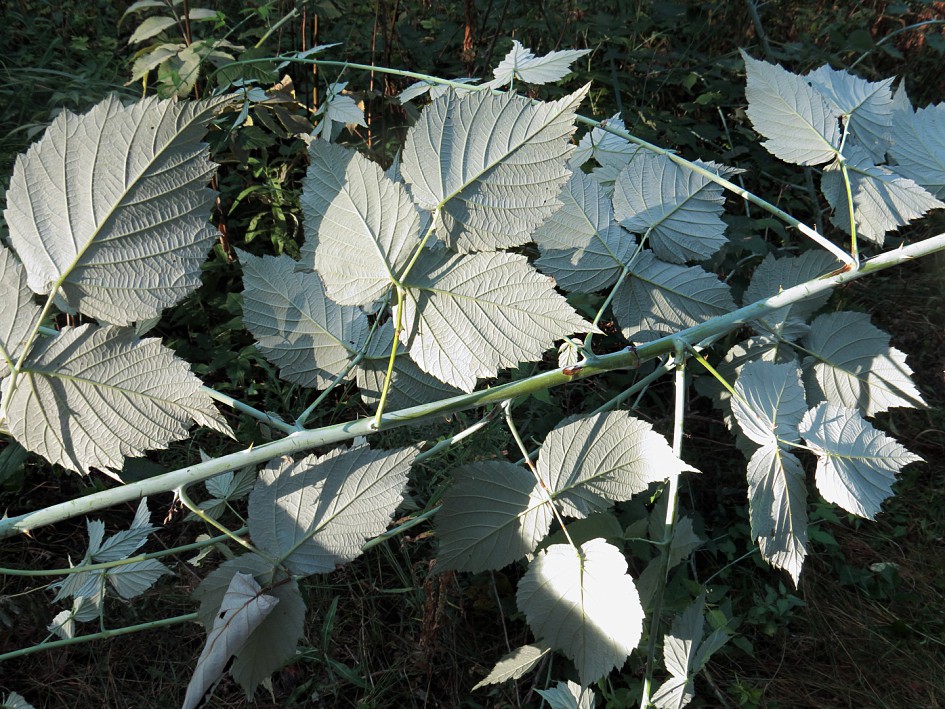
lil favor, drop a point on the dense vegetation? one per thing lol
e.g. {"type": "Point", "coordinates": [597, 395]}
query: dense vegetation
{"type": "Point", "coordinates": [387, 630]}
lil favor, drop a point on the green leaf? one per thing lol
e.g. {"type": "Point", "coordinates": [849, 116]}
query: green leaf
{"type": "Point", "coordinates": [468, 316]}
{"type": "Point", "coordinates": [777, 496]}
{"type": "Point", "coordinates": [853, 366]}
{"type": "Point", "coordinates": [867, 104]}
{"type": "Point", "coordinates": [919, 146]}
{"type": "Point", "coordinates": [882, 199]}
{"type": "Point", "coordinates": [317, 512]}
{"type": "Point", "coordinates": [308, 336]}
{"type": "Point", "coordinates": [103, 395]}
{"type": "Point", "coordinates": [581, 245]}
{"type": "Point", "coordinates": [521, 64]}
{"type": "Point", "coordinates": [662, 298]}
{"type": "Point", "coordinates": [19, 316]}
{"type": "Point", "coordinates": [800, 125]}
{"type": "Point", "coordinates": [680, 210]}
{"type": "Point", "coordinates": [112, 206]}
{"type": "Point", "coordinates": [770, 402]}
{"type": "Point", "coordinates": [583, 604]}
{"type": "Point", "coordinates": [150, 27]}
{"type": "Point", "coordinates": [361, 228]}
{"type": "Point", "coordinates": [684, 541]}
{"type": "Point", "coordinates": [856, 464]}
{"type": "Point", "coordinates": [202, 13]}
{"type": "Point", "coordinates": [515, 664]}
{"type": "Point", "coordinates": [243, 609]}
{"type": "Point", "coordinates": [590, 462]}
{"type": "Point", "coordinates": [272, 644]}
{"type": "Point", "coordinates": [153, 58]}
{"type": "Point", "coordinates": [491, 166]}
{"type": "Point", "coordinates": [569, 695]}
{"type": "Point", "coordinates": [493, 514]}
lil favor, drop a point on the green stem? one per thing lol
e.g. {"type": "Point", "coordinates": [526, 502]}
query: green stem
{"type": "Point", "coordinates": [606, 304]}
{"type": "Point", "coordinates": [195, 509]}
{"type": "Point", "coordinates": [398, 328]}
{"type": "Point", "coordinates": [176, 620]}
{"type": "Point", "coordinates": [671, 491]}
{"type": "Point", "coordinates": [306, 440]}
{"type": "Point", "coordinates": [238, 405]}
{"type": "Point", "coordinates": [854, 249]}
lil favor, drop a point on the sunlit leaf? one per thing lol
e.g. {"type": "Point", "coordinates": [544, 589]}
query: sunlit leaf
{"type": "Point", "coordinates": [919, 146]}
{"type": "Point", "coordinates": [569, 695]}
{"type": "Point", "coordinates": [19, 314]}
{"type": "Point", "coordinates": [515, 664]}
{"type": "Point", "coordinates": [770, 402]}
{"type": "Point", "coordinates": [603, 146]}
{"type": "Point", "coordinates": [150, 27]}
{"type": "Point", "coordinates": [521, 64]}
{"type": "Point", "coordinates": [336, 107]}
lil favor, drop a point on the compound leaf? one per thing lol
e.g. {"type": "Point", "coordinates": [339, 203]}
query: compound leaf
{"type": "Point", "coordinates": [272, 643]}
{"type": "Point", "coordinates": [801, 127]}
{"type": "Point", "coordinates": [19, 315]}
{"type": "Point", "coordinates": [661, 298]}
{"type": "Point", "coordinates": [336, 107]}
{"type": "Point", "coordinates": [882, 199]}
{"type": "Point", "coordinates": [308, 336]}
{"type": "Point", "coordinates": [852, 365]}
{"type": "Point", "coordinates": [112, 207]}
{"type": "Point", "coordinates": [777, 498]}
{"type": "Point", "coordinates": [770, 402]}
{"type": "Point", "coordinates": [856, 464]}
{"type": "Point", "coordinates": [491, 166]}
{"type": "Point", "coordinates": [590, 462]}
{"type": "Point", "coordinates": [243, 608]}
{"type": "Point", "coordinates": [867, 104]}
{"type": "Point", "coordinates": [581, 246]}
{"type": "Point", "coordinates": [583, 603]}
{"type": "Point", "coordinates": [680, 209]}
{"type": "Point", "coordinates": [316, 513]}
{"type": "Point", "coordinates": [569, 695]}
{"type": "Point", "coordinates": [131, 580]}
{"type": "Point", "coordinates": [493, 514]}
{"type": "Point", "coordinates": [515, 664]}
{"type": "Point", "coordinates": [468, 316]}
{"type": "Point", "coordinates": [103, 395]}
{"type": "Point", "coordinates": [521, 64]}
{"type": "Point", "coordinates": [919, 146]}
{"type": "Point", "coordinates": [360, 226]}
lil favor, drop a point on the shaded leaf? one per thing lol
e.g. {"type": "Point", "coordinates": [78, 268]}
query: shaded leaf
{"type": "Point", "coordinates": [852, 365]}
{"type": "Point", "coordinates": [590, 462]}
{"type": "Point", "coordinates": [468, 316]}
{"type": "Point", "coordinates": [801, 127]}
{"type": "Point", "coordinates": [856, 464]}
{"type": "Point", "coordinates": [490, 165]}
{"type": "Point", "coordinates": [515, 664]}
{"type": "Point", "coordinates": [581, 245]}
{"type": "Point", "coordinates": [919, 146]}
{"type": "Point", "coordinates": [316, 513]}
{"type": "Point", "coordinates": [684, 542]}
{"type": "Point", "coordinates": [308, 336]}
{"type": "Point", "coordinates": [104, 395]}
{"type": "Point", "coordinates": [150, 27]}
{"type": "Point", "coordinates": [336, 107]}
{"type": "Point", "coordinates": [113, 205]}
{"type": "Point", "coordinates": [583, 604]}
{"type": "Point", "coordinates": [493, 514]}
{"type": "Point", "coordinates": [419, 88]}
{"type": "Point", "coordinates": [19, 315]}
{"type": "Point", "coordinates": [662, 298]}
{"type": "Point", "coordinates": [131, 580]}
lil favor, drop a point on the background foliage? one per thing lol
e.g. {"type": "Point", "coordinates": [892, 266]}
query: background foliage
{"type": "Point", "coordinates": [401, 636]}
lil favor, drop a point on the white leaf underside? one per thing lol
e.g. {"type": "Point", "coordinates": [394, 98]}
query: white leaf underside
{"type": "Point", "coordinates": [19, 314]}
{"type": "Point", "coordinates": [770, 402]}
{"type": "Point", "coordinates": [919, 147]}
{"type": "Point", "coordinates": [521, 64]}
{"type": "Point", "coordinates": [515, 664]}
{"type": "Point", "coordinates": [114, 204]}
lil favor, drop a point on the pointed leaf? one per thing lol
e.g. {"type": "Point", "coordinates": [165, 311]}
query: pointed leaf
{"type": "Point", "coordinates": [584, 605]}
{"type": "Point", "coordinates": [581, 245]}
{"type": "Point", "coordinates": [272, 644]}
{"type": "Point", "coordinates": [684, 542]}
{"type": "Point", "coordinates": [419, 88]}
{"type": "Point", "coordinates": [317, 512]}
{"type": "Point", "coordinates": [515, 664]}
{"type": "Point", "coordinates": [232, 485]}
{"type": "Point", "coordinates": [882, 199]}
{"type": "Point", "coordinates": [309, 337]}
{"type": "Point", "coordinates": [681, 209]}
{"type": "Point", "coordinates": [114, 205]}
{"type": "Point", "coordinates": [775, 275]}
{"type": "Point", "coordinates": [868, 104]}
{"type": "Point", "coordinates": [104, 395]}
{"type": "Point", "coordinates": [770, 402]}
{"type": "Point", "coordinates": [661, 298]}
{"type": "Point", "coordinates": [15, 701]}
{"type": "Point", "coordinates": [243, 608]}
{"type": "Point", "coordinates": [569, 695]}
{"type": "Point", "coordinates": [602, 145]}
{"type": "Point", "coordinates": [468, 316]}
{"type": "Point", "coordinates": [123, 544]}
{"type": "Point", "coordinates": [919, 146]}
{"type": "Point", "coordinates": [360, 226]}
{"type": "Point", "coordinates": [521, 64]}
{"type": "Point", "coordinates": [800, 125]}
{"type": "Point", "coordinates": [679, 652]}
{"type": "Point", "coordinates": [588, 463]}
{"type": "Point", "coordinates": [777, 496]}
{"type": "Point", "coordinates": [856, 464]}
{"type": "Point", "coordinates": [150, 27]}
{"type": "Point", "coordinates": [131, 580]}
{"type": "Point", "coordinates": [491, 165]}
{"type": "Point", "coordinates": [493, 514]}
{"type": "Point", "coordinates": [853, 366]}
{"type": "Point", "coordinates": [19, 315]}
